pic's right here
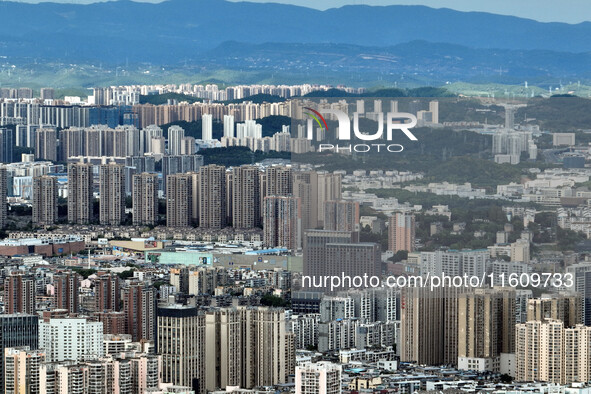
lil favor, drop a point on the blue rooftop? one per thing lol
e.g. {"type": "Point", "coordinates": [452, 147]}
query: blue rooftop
{"type": "Point", "coordinates": [267, 251]}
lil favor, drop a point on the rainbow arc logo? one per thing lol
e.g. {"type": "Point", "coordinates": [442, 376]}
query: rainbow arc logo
{"type": "Point", "coordinates": [317, 117]}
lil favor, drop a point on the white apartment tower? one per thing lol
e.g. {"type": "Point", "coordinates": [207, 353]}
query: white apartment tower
{"type": "Point", "coordinates": [175, 136]}
{"type": "Point", "coordinates": [318, 378]}
{"type": "Point", "coordinates": [207, 127]}
{"type": "Point", "coordinates": [74, 339]}
{"type": "Point", "coordinates": [229, 126]}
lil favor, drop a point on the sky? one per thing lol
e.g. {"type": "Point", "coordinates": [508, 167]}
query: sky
{"type": "Point", "coordinates": [569, 11]}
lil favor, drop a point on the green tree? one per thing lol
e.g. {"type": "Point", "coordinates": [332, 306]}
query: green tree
{"type": "Point", "coordinates": [399, 256]}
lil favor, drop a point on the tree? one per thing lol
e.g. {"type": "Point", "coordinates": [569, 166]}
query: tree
{"type": "Point", "coordinates": [84, 272]}
{"type": "Point", "coordinates": [125, 274]}
{"type": "Point", "coordinates": [399, 256]}
{"type": "Point", "coordinates": [504, 378]}
{"type": "Point", "coordinates": [273, 300]}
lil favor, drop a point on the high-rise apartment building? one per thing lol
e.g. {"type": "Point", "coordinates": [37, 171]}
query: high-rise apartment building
{"type": "Point", "coordinates": [141, 163]}
{"type": "Point", "coordinates": [315, 249]}
{"type": "Point", "coordinates": [19, 293]}
{"type": "Point", "coordinates": [75, 339]}
{"type": "Point", "coordinates": [145, 199]}
{"type": "Point", "coordinates": [109, 375]}
{"type": "Point", "coordinates": [246, 204]}
{"type": "Point", "coordinates": [93, 142]}
{"type": "Point", "coordinates": [305, 186]}
{"type": "Point", "coordinates": [66, 285]}
{"type": "Point", "coordinates": [429, 325]}
{"type": "Point", "coordinates": [581, 274]}
{"type": "Point", "coordinates": [434, 109]}
{"type": "Point", "coordinates": [229, 126]}
{"type": "Point", "coordinates": [196, 281]}
{"type": "Point", "coordinates": [179, 164]}
{"type": "Point", "coordinates": [486, 325]}
{"type": "Point", "coordinates": [315, 188]}
{"type": "Point", "coordinates": [520, 251]}
{"type": "Point", "coordinates": [145, 373]}
{"type": "Point", "coordinates": [146, 135]}
{"type": "Point", "coordinates": [318, 378]}
{"type": "Point", "coordinates": [80, 194]}
{"type": "Point", "coordinates": [224, 348]}
{"type": "Point", "coordinates": [107, 293]}
{"type": "Point", "coordinates": [113, 322]}
{"type": "Point", "coordinates": [179, 194]}
{"type": "Point", "coordinates": [46, 144]}
{"type": "Point", "coordinates": [112, 194]}
{"type": "Point", "coordinates": [47, 94]}
{"type": "Point", "coordinates": [277, 181]}
{"type": "Point", "coordinates": [401, 232]}
{"type": "Point", "coordinates": [269, 351]}
{"type": "Point", "coordinates": [45, 200]}
{"type": "Point", "coordinates": [139, 307]}
{"type": "Point", "coordinates": [353, 260]}
{"type": "Point", "coordinates": [180, 341]}
{"type": "Point", "coordinates": [21, 136]}
{"type": "Point", "coordinates": [3, 192]}
{"type": "Point", "coordinates": [7, 143]}
{"type": "Point", "coordinates": [336, 307]}
{"type": "Point", "coordinates": [71, 143]}
{"type": "Point", "coordinates": [329, 189]}
{"type": "Point", "coordinates": [207, 127]}
{"type": "Point", "coordinates": [188, 146]}
{"type": "Point", "coordinates": [202, 280]}
{"type": "Point", "coordinates": [454, 262]}
{"type": "Point", "coordinates": [563, 307]}
{"type": "Point", "coordinates": [341, 215]}
{"type": "Point", "coordinates": [65, 378]}
{"type": "Point", "coordinates": [17, 330]}
{"type": "Point", "coordinates": [282, 222]}
{"type": "Point", "coordinates": [245, 346]}
{"type": "Point", "coordinates": [179, 278]}
{"type": "Point", "coordinates": [547, 351]}
{"type": "Point", "coordinates": [304, 329]}
{"type": "Point", "coordinates": [22, 370]}
{"type": "Point", "coordinates": [158, 146]}
{"type": "Point", "coordinates": [212, 196]}
{"type": "Point", "coordinates": [175, 136]}
{"type": "Point", "coordinates": [337, 334]}
{"type": "Point", "coordinates": [25, 93]}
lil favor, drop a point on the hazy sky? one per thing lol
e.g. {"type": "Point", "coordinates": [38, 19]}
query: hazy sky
{"type": "Point", "coordinates": [570, 11]}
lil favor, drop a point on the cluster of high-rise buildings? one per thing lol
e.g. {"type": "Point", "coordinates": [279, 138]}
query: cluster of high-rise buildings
{"type": "Point", "coordinates": [509, 143]}
{"type": "Point", "coordinates": [281, 200]}
{"type": "Point", "coordinates": [22, 106]}
{"type": "Point", "coordinates": [32, 114]}
{"type": "Point", "coordinates": [61, 333]}
{"type": "Point", "coordinates": [187, 320]}
{"type": "Point", "coordinates": [114, 95]}
{"type": "Point", "coordinates": [127, 141]}
{"type": "Point", "coordinates": [508, 146]}
{"type": "Point", "coordinates": [100, 141]}
{"type": "Point", "coordinates": [148, 114]}
{"type": "Point", "coordinates": [53, 343]}
{"type": "Point", "coordinates": [29, 115]}
{"type": "Point", "coordinates": [498, 329]}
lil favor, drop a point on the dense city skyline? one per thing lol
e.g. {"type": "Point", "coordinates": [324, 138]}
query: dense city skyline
{"type": "Point", "coordinates": [213, 197]}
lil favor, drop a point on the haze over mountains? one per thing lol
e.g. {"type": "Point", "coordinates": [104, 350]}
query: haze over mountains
{"type": "Point", "coordinates": [257, 35]}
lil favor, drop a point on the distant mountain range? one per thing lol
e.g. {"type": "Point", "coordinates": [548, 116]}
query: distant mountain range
{"type": "Point", "coordinates": [216, 32]}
